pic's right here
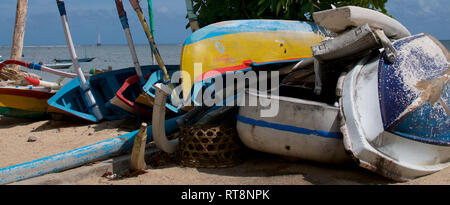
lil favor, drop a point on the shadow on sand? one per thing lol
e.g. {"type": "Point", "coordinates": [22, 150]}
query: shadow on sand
{"type": "Point", "coordinates": [127, 125]}
{"type": "Point", "coordinates": [6, 122]}
{"type": "Point", "coordinates": [258, 164]}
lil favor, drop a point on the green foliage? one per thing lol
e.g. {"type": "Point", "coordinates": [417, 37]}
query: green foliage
{"type": "Point", "coordinates": [211, 11]}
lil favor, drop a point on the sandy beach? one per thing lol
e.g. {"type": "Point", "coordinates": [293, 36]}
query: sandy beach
{"type": "Point", "coordinates": [53, 137]}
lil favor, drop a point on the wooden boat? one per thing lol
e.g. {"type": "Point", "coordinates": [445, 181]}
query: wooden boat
{"type": "Point", "coordinates": [71, 101]}
{"type": "Point", "coordinates": [302, 128]}
{"type": "Point", "coordinates": [395, 115]}
{"type": "Point", "coordinates": [70, 60]}
{"type": "Point", "coordinates": [59, 65]}
{"type": "Point", "coordinates": [239, 45]}
{"type": "Point", "coordinates": [149, 89]}
{"type": "Point", "coordinates": [24, 101]}
{"type": "Point", "coordinates": [126, 97]}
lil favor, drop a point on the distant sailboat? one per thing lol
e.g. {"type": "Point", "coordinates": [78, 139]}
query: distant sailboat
{"type": "Point", "coordinates": [98, 40]}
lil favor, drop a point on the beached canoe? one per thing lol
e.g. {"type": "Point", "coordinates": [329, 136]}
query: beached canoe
{"type": "Point", "coordinates": [70, 60]}
{"type": "Point", "coordinates": [395, 115]}
{"type": "Point", "coordinates": [239, 45]}
{"type": "Point", "coordinates": [126, 97]}
{"type": "Point", "coordinates": [104, 86]}
{"type": "Point", "coordinates": [24, 101]}
{"type": "Point", "coordinates": [302, 128]}
{"type": "Point", "coordinates": [59, 65]}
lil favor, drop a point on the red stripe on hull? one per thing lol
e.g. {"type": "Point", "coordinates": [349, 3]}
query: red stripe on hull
{"type": "Point", "coordinates": [26, 93]}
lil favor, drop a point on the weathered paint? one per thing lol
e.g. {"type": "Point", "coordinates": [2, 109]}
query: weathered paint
{"type": "Point", "coordinates": [227, 46]}
{"type": "Point", "coordinates": [77, 157]}
{"type": "Point", "coordinates": [368, 101]}
{"type": "Point", "coordinates": [404, 111]}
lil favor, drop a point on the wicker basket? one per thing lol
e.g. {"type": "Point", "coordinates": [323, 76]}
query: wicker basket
{"type": "Point", "coordinates": [210, 146]}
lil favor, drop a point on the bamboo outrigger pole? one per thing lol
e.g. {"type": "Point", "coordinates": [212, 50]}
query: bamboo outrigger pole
{"type": "Point", "coordinates": [126, 28]}
{"type": "Point", "coordinates": [14, 73]}
{"type": "Point", "coordinates": [83, 84]}
{"type": "Point", "coordinates": [19, 31]}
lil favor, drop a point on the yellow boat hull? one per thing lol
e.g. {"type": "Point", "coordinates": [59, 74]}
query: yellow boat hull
{"type": "Point", "coordinates": [20, 103]}
{"type": "Point", "coordinates": [238, 45]}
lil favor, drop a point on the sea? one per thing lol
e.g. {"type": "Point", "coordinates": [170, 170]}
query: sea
{"type": "Point", "coordinates": [116, 56]}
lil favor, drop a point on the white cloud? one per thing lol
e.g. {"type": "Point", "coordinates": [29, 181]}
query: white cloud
{"type": "Point", "coordinates": [163, 9]}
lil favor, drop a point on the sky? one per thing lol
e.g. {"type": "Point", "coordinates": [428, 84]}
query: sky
{"type": "Point", "coordinates": [89, 17]}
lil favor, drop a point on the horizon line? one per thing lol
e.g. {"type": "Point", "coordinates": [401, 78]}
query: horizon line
{"type": "Point", "coordinates": [64, 45]}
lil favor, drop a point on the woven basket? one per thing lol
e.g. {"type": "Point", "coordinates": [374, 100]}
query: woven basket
{"type": "Point", "coordinates": [210, 146]}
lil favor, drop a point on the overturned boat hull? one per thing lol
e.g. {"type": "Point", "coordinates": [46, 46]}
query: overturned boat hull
{"type": "Point", "coordinates": [302, 129]}
{"type": "Point", "coordinates": [238, 45]}
{"type": "Point", "coordinates": [395, 117]}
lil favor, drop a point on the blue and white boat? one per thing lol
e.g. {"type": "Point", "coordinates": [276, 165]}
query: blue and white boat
{"type": "Point", "coordinates": [70, 100]}
{"type": "Point", "coordinates": [395, 115]}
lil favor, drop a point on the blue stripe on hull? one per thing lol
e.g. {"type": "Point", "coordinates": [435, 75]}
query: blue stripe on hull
{"type": "Point", "coordinates": [289, 128]}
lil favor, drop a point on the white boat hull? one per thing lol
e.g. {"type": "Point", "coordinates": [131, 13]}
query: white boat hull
{"type": "Point", "coordinates": [340, 19]}
{"type": "Point", "coordinates": [376, 141]}
{"type": "Point", "coordinates": [302, 129]}
{"type": "Point", "coordinates": [60, 65]}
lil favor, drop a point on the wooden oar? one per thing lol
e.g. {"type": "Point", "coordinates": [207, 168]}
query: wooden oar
{"type": "Point", "coordinates": [152, 29]}
{"type": "Point", "coordinates": [83, 84]}
{"type": "Point", "coordinates": [137, 8]}
{"type": "Point", "coordinates": [126, 28]}
{"type": "Point", "coordinates": [192, 16]}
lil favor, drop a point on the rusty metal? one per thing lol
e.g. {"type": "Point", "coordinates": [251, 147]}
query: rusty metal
{"type": "Point", "coordinates": [209, 146]}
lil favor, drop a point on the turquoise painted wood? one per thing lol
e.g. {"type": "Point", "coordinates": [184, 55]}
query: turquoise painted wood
{"type": "Point", "coordinates": [71, 101]}
{"type": "Point", "coordinates": [77, 157]}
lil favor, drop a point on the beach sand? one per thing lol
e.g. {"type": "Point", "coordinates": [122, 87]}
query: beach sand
{"type": "Point", "coordinates": [54, 137]}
